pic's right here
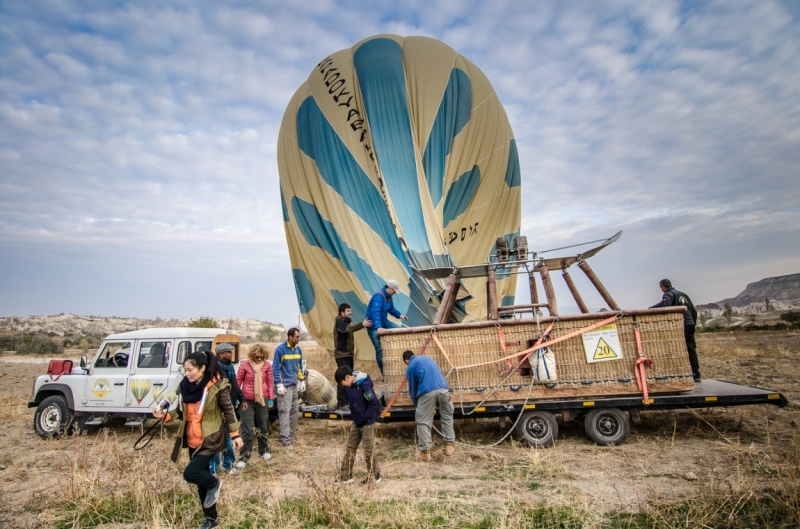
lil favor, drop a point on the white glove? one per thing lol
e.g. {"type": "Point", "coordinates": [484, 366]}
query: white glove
{"type": "Point", "coordinates": [281, 389]}
{"type": "Point", "coordinates": [301, 386]}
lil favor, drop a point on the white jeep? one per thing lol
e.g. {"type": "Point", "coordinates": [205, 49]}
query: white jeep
{"type": "Point", "coordinates": [130, 374]}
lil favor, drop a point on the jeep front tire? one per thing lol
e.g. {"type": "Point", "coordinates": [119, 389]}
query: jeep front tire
{"type": "Point", "coordinates": [53, 417]}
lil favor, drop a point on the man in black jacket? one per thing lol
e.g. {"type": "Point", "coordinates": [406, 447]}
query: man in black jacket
{"type": "Point", "coordinates": [673, 298]}
{"type": "Point", "coordinates": [344, 342]}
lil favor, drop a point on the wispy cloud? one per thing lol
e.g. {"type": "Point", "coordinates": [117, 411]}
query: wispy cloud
{"type": "Point", "coordinates": [137, 146]}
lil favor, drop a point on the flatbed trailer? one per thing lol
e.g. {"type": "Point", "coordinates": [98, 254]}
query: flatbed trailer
{"type": "Point", "coordinates": [607, 420]}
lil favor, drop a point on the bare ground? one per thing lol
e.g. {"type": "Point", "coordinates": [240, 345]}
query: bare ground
{"type": "Point", "coordinates": [669, 457]}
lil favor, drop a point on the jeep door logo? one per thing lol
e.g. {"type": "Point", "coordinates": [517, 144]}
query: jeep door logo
{"type": "Point", "coordinates": [101, 387]}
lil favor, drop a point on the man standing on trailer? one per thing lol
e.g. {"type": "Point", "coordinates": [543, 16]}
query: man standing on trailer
{"type": "Point", "coordinates": [380, 306]}
{"type": "Point", "coordinates": [428, 390]}
{"type": "Point", "coordinates": [344, 341]}
{"type": "Point", "coordinates": [673, 298]}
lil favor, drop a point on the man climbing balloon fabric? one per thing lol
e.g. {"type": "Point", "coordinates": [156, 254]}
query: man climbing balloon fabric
{"type": "Point", "coordinates": [380, 306]}
{"type": "Point", "coordinates": [672, 298]}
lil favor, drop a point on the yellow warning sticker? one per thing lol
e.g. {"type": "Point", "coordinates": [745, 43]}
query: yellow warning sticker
{"type": "Point", "coordinates": [604, 351]}
{"type": "Point", "coordinates": [602, 344]}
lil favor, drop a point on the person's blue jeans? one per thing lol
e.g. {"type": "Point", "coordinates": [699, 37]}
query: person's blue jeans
{"type": "Point", "coordinates": [376, 342]}
{"type": "Point", "coordinates": [228, 456]}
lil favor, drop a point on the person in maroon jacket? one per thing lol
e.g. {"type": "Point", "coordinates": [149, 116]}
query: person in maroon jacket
{"type": "Point", "coordinates": [255, 379]}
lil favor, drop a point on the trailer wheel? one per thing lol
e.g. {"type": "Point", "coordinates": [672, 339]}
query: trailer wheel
{"type": "Point", "coordinates": [606, 426]}
{"type": "Point", "coordinates": [53, 417]}
{"type": "Point", "coordinates": [538, 428]}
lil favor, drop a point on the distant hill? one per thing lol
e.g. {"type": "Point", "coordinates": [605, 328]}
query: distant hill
{"type": "Point", "coordinates": [761, 301]}
{"type": "Point", "coordinates": [67, 324]}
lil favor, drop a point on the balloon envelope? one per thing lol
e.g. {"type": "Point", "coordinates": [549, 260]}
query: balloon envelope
{"type": "Point", "coordinates": [395, 153]}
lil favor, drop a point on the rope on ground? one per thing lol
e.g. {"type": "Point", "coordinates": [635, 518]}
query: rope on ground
{"type": "Point", "coordinates": [513, 426]}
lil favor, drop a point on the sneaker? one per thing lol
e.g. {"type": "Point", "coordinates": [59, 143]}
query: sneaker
{"type": "Point", "coordinates": [241, 464]}
{"type": "Point", "coordinates": [449, 448]}
{"type": "Point", "coordinates": [697, 377]}
{"type": "Point", "coordinates": [211, 497]}
{"type": "Point", "coordinates": [423, 455]}
{"type": "Point", "coordinates": [288, 447]}
{"type": "Point", "coordinates": [266, 456]}
{"type": "Point", "coordinates": [345, 408]}
{"type": "Point", "coordinates": [234, 471]}
{"type": "Point", "coordinates": [208, 524]}
{"type": "Point", "coordinates": [374, 479]}
{"type": "Point", "coordinates": [341, 480]}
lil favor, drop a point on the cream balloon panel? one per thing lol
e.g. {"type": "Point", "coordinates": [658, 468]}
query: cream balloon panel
{"type": "Point", "coordinates": [389, 148]}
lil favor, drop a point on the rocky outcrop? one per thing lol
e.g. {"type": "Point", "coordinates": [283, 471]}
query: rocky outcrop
{"type": "Point", "coordinates": [768, 295]}
{"type": "Point", "coordinates": [774, 289]}
{"type": "Point", "coordinates": [68, 324]}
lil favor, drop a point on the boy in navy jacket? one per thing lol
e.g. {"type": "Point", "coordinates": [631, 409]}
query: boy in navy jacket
{"type": "Point", "coordinates": [364, 410]}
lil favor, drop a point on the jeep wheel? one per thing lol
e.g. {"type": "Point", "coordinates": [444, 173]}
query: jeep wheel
{"type": "Point", "coordinates": [53, 417]}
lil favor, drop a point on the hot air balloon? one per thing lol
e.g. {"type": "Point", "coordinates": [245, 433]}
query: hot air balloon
{"type": "Point", "coordinates": [140, 387]}
{"type": "Point", "coordinates": [395, 155]}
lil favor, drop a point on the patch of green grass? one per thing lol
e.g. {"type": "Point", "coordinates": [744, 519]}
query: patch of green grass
{"type": "Point", "coordinates": [774, 508]}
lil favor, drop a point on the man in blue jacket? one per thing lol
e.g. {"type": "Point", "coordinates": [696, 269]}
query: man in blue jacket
{"type": "Point", "coordinates": [428, 390]}
{"type": "Point", "coordinates": [364, 411]}
{"type": "Point", "coordinates": [380, 306]}
{"type": "Point", "coordinates": [287, 372]}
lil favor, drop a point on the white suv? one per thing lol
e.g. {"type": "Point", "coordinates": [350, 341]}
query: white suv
{"type": "Point", "coordinates": [129, 375]}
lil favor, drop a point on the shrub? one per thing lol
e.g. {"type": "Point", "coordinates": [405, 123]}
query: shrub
{"type": "Point", "coordinates": [203, 322]}
{"type": "Point", "coordinates": [792, 317]}
{"type": "Point", "coordinates": [267, 333]}
{"type": "Point", "coordinates": [40, 345]}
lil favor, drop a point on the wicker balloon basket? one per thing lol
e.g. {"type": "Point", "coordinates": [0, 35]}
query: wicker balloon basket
{"type": "Point", "coordinates": [478, 366]}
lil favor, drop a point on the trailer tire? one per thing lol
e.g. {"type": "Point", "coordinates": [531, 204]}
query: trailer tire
{"type": "Point", "coordinates": [53, 418]}
{"type": "Point", "coordinates": [537, 428]}
{"type": "Point", "coordinates": [607, 426]}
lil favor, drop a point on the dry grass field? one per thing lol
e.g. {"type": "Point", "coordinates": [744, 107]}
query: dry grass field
{"type": "Point", "coordinates": [734, 467]}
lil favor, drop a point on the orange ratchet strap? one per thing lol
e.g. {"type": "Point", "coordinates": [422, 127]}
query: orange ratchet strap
{"type": "Point", "coordinates": [641, 362]}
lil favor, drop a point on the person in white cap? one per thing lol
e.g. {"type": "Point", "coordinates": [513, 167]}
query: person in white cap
{"type": "Point", "coordinates": [380, 306]}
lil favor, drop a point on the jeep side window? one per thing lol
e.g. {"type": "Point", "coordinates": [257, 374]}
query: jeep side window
{"type": "Point", "coordinates": [202, 347]}
{"type": "Point", "coordinates": [153, 354]}
{"type": "Point", "coordinates": [184, 348]}
{"type": "Point", "coordinates": [114, 354]}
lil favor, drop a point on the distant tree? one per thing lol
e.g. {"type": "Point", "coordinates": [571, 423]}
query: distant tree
{"type": "Point", "coordinates": [792, 317]}
{"type": "Point", "coordinates": [203, 322]}
{"type": "Point", "coordinates": [267, 333]}
{"type": "Point", "coordinates": [40, 345]}
{"type": "Point", "coordinates": [727, 313]}
{"type": "Point", "coordinates": [752, 319]}
{"type": "Point", "coordinates": [702, 319]}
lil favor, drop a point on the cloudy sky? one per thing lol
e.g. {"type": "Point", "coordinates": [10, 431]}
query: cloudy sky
{"type": "Point", "coordinates": [138, 172]}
